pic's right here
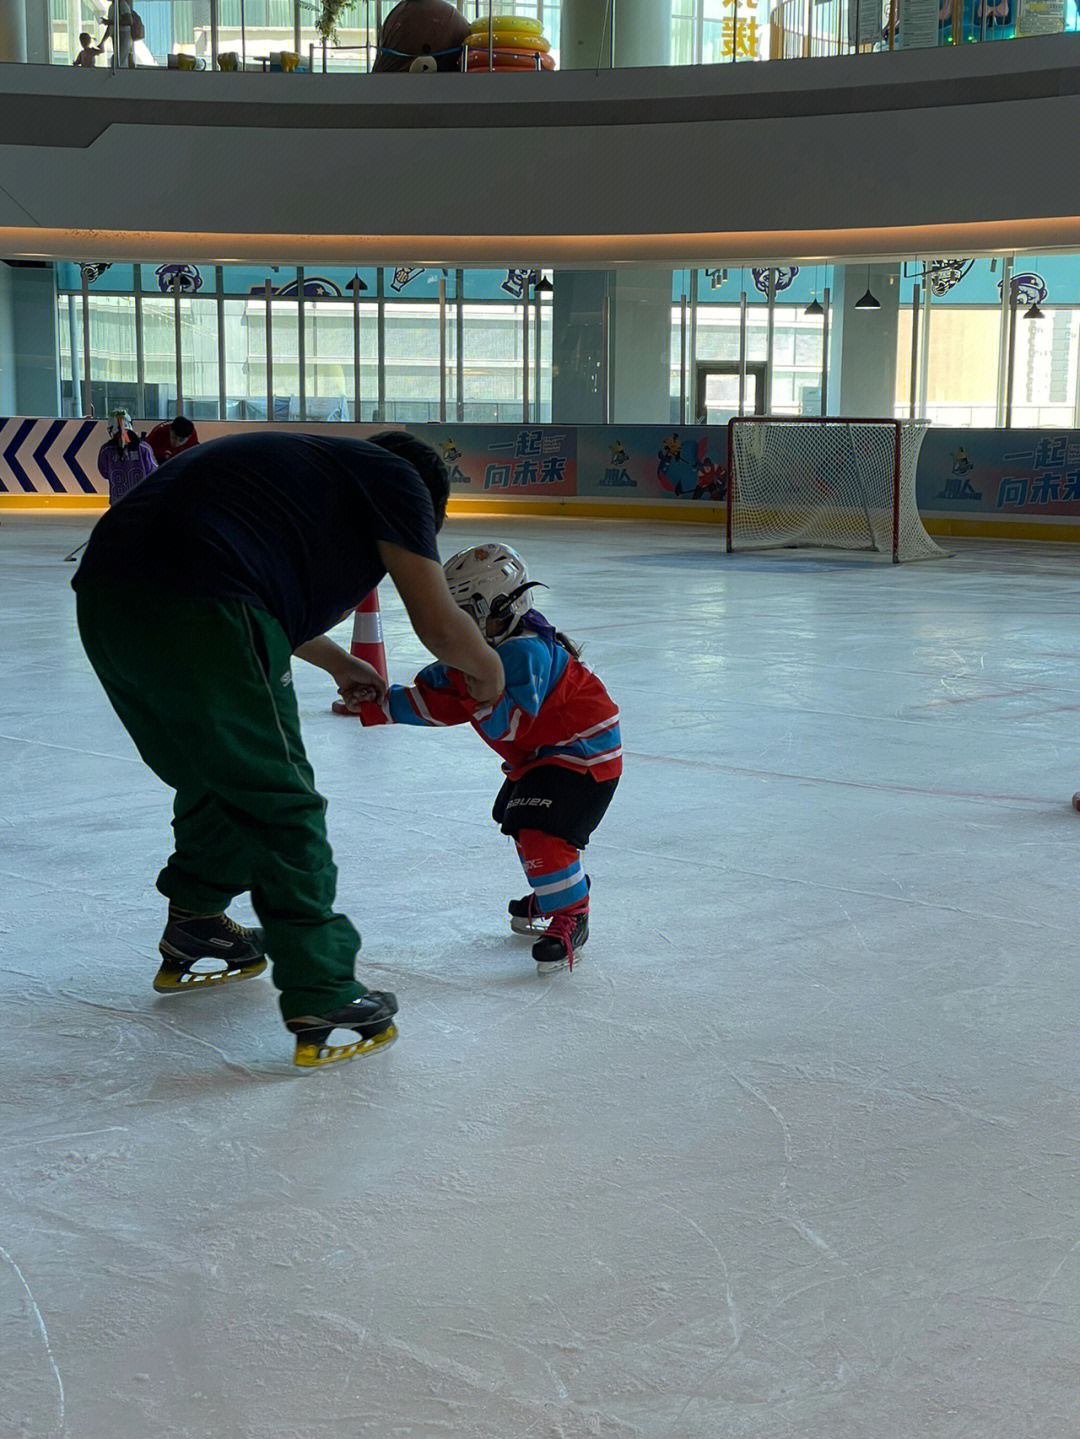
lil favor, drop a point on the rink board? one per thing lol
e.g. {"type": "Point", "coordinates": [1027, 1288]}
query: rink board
{"type": "Point", "coordinates": [1008, 484]}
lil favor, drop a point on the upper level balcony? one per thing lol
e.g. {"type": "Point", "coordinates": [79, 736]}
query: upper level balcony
{"type": "Point", "coordinates": [956, 150]}
{"type": "Point", "coordinates": [335, 37]}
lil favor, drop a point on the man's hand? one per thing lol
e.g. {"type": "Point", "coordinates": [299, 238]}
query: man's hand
{"type": "Point", "coordinates": [358, 683]}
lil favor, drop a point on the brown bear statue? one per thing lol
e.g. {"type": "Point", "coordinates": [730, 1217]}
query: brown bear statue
{"type": "Point", "coordinates": [421, 35]}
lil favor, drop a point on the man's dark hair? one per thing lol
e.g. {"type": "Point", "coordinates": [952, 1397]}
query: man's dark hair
{"type": "Point", "coordinates": [181, 427]}
{"type": "Point", "coordinates": [427, 461]}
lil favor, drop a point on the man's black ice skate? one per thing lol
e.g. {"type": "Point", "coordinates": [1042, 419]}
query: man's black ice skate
{"type": "Point", "coordinates": [202, 951]}
{"type": "Point", "coordinates": [357, 1028]}
{"type": "Point", "coordinates": [567, 931]}
{"type": "Point", "coordinates": [526, 916]}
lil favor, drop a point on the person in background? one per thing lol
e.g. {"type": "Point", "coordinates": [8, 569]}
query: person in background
{"type": "Point", "coordinates": [87, 56]}
{"type": "Point", "coordinates": [170, 437]}
{"type": "Point", "coordinates": [118, 29]}
{"type": "Point", "coordinates": [124, 459]}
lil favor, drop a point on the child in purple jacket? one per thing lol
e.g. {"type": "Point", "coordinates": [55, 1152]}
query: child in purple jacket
{"type": "Point", "coordinates": [124, 460]}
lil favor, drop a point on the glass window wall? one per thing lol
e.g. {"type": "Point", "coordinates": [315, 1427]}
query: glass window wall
{"type": "Point", "coordinates": [220, 367]}
{"type": "Point", "coordinates": [112, 349]}
{"type": "Point", "coordinates": [328, 359]}
{"type": "Point", "coordinates": [1044, 378]}
{"type": "Point", "coordinates": [969, 326]}
{"type": "Point", "coordinates": [159, 356]}
{"type": "Point", "coordinates": [961, 381]}
{"type": "Point", "coordinates": [244, 327]}
{"type": "Point", "coordinates": [491, 368]}
{"type": "Point", "coordinates": [748, 364]}
{"type": "Point", "coordinates": [978, 360]}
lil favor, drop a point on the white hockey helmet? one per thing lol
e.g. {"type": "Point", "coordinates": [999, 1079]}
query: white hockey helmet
{"type": "Point", "coordinates": [490, 582]}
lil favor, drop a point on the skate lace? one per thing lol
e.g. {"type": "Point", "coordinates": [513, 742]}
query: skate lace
{"type": "Point", "coordinates": [562, 925]}
{"type": "Point", "coordinates": [231, 925]}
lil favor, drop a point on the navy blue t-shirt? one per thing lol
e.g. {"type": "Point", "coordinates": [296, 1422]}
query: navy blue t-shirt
{"type": "Point", "coordinates": [288, 523]}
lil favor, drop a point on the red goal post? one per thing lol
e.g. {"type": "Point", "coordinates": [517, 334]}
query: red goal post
{"type": "Point", "coordinates": [828, 482]}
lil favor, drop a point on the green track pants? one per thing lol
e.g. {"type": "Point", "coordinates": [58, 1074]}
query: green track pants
{"type": "Point", "coordinates": [204, 688]}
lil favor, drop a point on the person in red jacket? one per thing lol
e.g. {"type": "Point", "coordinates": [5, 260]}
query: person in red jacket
{"type": "Point", "coordinates": [170, 437]}
{"type": "Point", "coordinates": [556, 729]}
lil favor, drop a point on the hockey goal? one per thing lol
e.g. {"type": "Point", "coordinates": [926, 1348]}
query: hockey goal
{"type": "Point", "coordinates": [827, 484]}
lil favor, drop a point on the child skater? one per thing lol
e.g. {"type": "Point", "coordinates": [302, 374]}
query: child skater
{"type": "Point", "coordinates": [124, 460]}
{"type": "Point", "coordinates": [557, 730]}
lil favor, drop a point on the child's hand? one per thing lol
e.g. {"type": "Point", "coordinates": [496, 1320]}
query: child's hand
{"type": "Point", "coordinates": [358, 683]}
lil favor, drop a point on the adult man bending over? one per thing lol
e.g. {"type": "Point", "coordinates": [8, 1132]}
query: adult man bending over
{"type": "Point", "coordinates": [192, 597]}
{"type": "Point", "coordinates": [172, 436]}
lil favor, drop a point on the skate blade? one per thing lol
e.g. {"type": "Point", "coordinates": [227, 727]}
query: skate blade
{"type": "Point", "coordinates": [533, 927]}
{"type": "Point", "coordinates": [553, 966]}
{"type": "Point", "coordinates": [175, 979]}
{"type": "Point", "coordinates": [312, 1056]}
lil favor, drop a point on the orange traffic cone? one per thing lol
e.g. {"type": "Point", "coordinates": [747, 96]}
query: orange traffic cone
{"type": "Point", "coordinates": [367, 644]}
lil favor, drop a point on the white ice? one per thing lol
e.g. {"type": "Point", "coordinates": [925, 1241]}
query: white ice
{"type": "Point", "coordinates": [793, 1154]}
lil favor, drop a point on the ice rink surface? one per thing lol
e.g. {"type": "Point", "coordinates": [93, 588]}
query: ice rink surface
{"type": "Point", "coordinates": [793, 1154]}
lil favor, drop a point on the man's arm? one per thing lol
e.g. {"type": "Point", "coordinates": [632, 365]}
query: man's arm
{"type": "Point", "coordinates": [440, 626]}
{"type": "Point", "coordinates": [323, 652]}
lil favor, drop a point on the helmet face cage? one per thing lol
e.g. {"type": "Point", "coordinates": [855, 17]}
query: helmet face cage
{"type": "Point", "coordinates": [489, 582]}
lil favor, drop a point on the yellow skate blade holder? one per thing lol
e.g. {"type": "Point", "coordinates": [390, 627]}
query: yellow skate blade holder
{"type": "Point", "coordinates": [202, 974]}
{"type": "Point", "coordinates": [314, 1056]}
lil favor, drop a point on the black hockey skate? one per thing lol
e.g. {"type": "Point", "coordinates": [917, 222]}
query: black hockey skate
{"type": "Point", "coordinates": [567, 931]}
{"type": "Point", "coordinates": [357, 1028]}
{"type": "Point", "coordinates": [203, 951]}
{"type": "Point", "coordinates": [526, 916]}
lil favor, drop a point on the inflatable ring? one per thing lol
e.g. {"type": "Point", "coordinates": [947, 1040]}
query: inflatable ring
{"type": "Point", "coordinates": [516, 24]}
{"type": "Point", "coordinates": [509, 40]}
{"type": "Point", "coordinates": [508, 60]}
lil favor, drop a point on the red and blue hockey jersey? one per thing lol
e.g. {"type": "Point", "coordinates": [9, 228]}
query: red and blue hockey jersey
{"type": "Point", "coordinates": [554, 710]}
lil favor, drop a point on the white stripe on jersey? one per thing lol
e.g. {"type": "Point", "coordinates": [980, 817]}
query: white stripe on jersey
{"type": "Point", "coordinates": [581, 762]}
{"type": "Point", "coordinates": [608, 723]}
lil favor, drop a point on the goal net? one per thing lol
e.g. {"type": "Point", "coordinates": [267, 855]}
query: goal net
{"type": "Point", "coordinates": [826, 483]}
